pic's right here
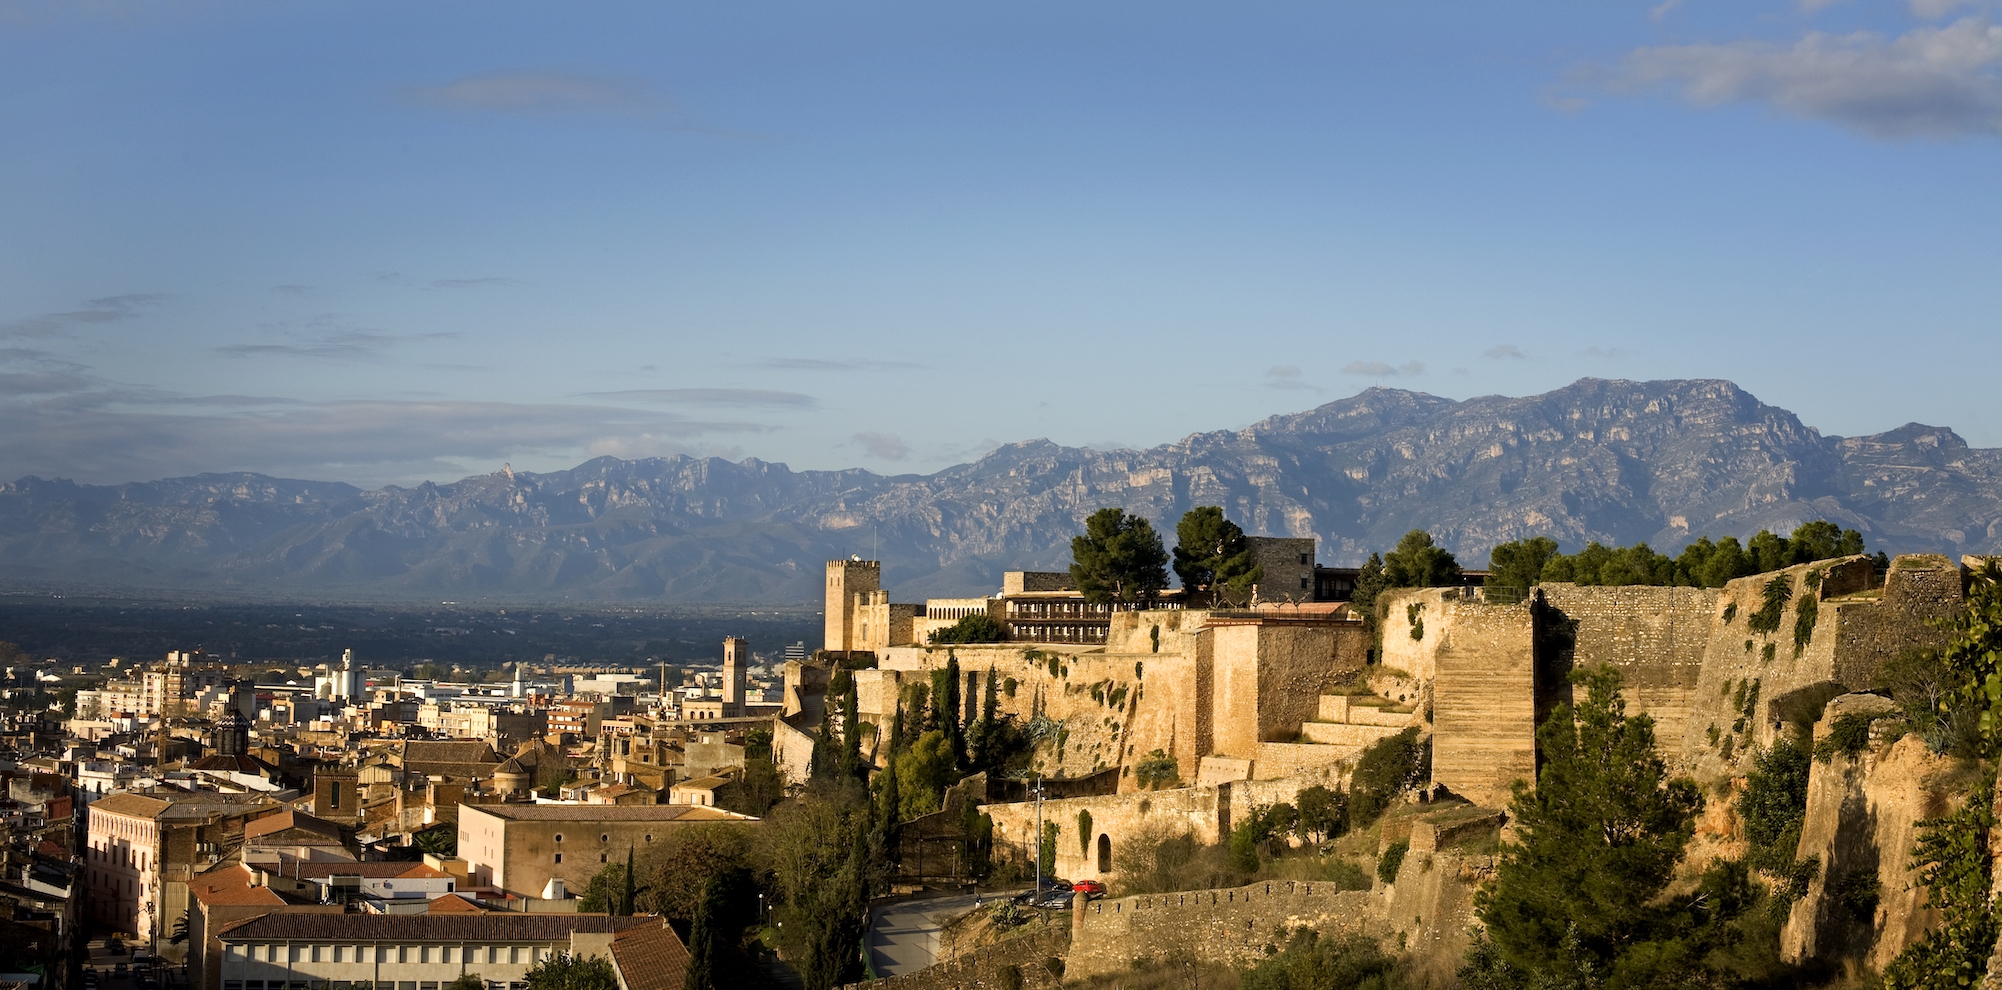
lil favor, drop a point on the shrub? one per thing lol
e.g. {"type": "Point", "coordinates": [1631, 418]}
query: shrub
{"type": "Point", "coordinates": [1313, 962]}
{"type": "Point", "coordinates": [1849, 736]}
{"type": "Point", "coordinates": [1803, 621]}
{"type": "Point", "coordinates": [1774, 805]}
{"type": "Point", "coordinates": [1157, 770]}
{"type": "Point", "coordinates": [976, 628]}
{"type": "Point", "coordinates": [1345, 874]}
{"type": "Point", "coordinates": [1392, 858]}
{"type": "Point", "coordinates": [1772, 602]}
{"type": "Point", "coordinates": [1383, 771]}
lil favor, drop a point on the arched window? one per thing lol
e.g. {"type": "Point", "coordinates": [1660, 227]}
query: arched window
{"type": "Point", "coordinates": [1104, 853]}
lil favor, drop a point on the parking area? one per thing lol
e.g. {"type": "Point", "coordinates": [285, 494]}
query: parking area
{"type": "Point", "coordinates": [113, 965]}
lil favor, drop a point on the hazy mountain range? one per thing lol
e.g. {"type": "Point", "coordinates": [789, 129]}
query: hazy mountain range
{"type": "Point", "coordinates": [1614, 461]}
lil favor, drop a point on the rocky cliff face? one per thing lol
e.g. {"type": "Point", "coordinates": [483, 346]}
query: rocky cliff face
{"type": "Point", "coordinates": [1613, 461]}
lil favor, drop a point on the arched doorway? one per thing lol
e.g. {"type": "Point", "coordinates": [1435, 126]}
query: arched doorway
{"type": "Point", "coordinates": [1104, 853]}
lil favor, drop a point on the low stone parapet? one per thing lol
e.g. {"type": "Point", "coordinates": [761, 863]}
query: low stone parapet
{"type": "Point", "coordinates": [1234, 926]}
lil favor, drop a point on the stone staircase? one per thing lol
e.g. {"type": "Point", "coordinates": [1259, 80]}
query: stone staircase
{"type": "Point", "coordinates": [1354, 721]}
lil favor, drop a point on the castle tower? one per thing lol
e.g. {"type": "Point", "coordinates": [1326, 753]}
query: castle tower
{"type": "Point", "coordinates": [847, 580]}
{"type": "Point", "coordinates": [232, 734]}
{"type": "Point", "coordinates": [736, 660]}
{"type": "Point", "coordinates": [514, 690]}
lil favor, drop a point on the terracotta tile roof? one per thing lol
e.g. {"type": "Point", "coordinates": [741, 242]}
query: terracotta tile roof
{"type": "Point", "coordinates": [446, 751]}
{"type": "Point", "coordinates": [218, 763]}
{"type": "Point", "coordinates": [290, 819]}
{"type": "Point", "coordinates": [130, 805]}
{"type": "Point", "coordinates": [231, 886]}
{"type": "Point", "coordinates": [322, 869]}
{"type": "Point", "coordinates": [454, 904]}
{"type": "Point", "coordinates": [609, 813]}
{"type": "Point", "coordinates": [496, 926]}
{"type": "Point", "coordinates": [650, 957]}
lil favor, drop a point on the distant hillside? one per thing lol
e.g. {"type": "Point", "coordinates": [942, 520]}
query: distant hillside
{"type": "Point", "coordinates": [1597, 460]}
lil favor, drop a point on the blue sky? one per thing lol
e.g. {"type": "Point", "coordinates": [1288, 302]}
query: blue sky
{"type": "Point", "coordinates": [385, 242]}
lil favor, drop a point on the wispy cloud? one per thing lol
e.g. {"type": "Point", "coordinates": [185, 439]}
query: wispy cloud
{"type": "Point", "coordinates": [472, 283]}
{"type": "Point", "coordinates": [1927, 82]}
{"type": "Point", "coordinates": [1659, 12]}
{"type": "Point", "coordinates": [1287, 377]}
{"type": "Point", "coordinates": [69, 424]}
{"type": "Point", "coordinates": [315, 341]}
{"type": "Point", "coordinates": [711, 396]}
{"type": "Point", "coordinates": [1603, 352]}
{"type": "Point", "coordinates": [547, 93]}
{"type": "Point", "coordinates": [1379, 369]}
{"type": "Point", "coordinates": [1505, 352]}
{"type": "Point", "coordinates": [819, 364]}
{"type": "Point", "coordinates": [108, 309]}
{"type": "Point", "coordinates": [883, 446]}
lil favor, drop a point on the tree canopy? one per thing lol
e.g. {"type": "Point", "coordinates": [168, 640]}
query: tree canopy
{"type": "Point", "coordinates": [1119, 558]}
{"type": "Point", "coordinates": [1599, 837]}
{"type": "Point", "coordinates": [1213, 557]}
{"type": "Point", "coordinates": [976, 628]}
{"type": "Point", "coordinates": [1703, 563]}
{"type": "Point", "coordinates": [1419, 563]}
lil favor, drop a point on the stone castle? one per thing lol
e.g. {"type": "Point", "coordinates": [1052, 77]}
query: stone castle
{"type": "Point", "coordinates": [1254, 704]}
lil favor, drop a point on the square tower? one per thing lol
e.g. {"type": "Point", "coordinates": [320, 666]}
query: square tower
{"type": "Point", "coordinates": [736, 660]}
{"type": "Point", "coordinates": [846, 580]}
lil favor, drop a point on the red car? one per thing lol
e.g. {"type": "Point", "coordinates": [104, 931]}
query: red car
{"type": "Point", "coordinates": [1089, 888]}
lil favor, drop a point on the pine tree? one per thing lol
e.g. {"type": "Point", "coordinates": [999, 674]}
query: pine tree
{"type": "Point", "coordinates": [1599, 837]}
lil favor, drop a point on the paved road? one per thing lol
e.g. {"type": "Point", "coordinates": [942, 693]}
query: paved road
{"type": "Point", "coordinates": [905, 937]}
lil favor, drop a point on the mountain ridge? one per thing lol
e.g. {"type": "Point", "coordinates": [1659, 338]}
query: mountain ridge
{"type": "Point", "coordinates": [1608, 460]}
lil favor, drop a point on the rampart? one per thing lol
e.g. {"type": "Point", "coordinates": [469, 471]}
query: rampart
{"type": "Point", "coordinates": [1655, 636]}
{"type": "Point", "coordinates": [1204, 812]}
{"type": "Point", "coordinates": [1482, 659]}
{"type": "Point", "coordinates": [1234, 926]}
{"type": "Point", "coordinates": [1849, 631]}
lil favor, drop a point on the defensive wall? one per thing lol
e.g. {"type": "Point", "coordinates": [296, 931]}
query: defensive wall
{"type": "Point", "coordinates": [1693, 659]}
{"type": "Point", "coordinates": [1850, 629]}
{"type": "Point", "coordinates": [1204, 812]}
{"type": "Point", "coordinates": [1190, 683]}
{"type": "Point", "coordinates": [1481, 660]}
{"type": "Point", "coordinates": [1237, 926]}
{"type": "Point", "coordinates": [1655, 636]}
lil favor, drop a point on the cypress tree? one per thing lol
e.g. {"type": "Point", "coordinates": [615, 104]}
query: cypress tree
{"type": "Point", "coordinates": [702, 942]}
{"type": "Point", "coordinates": [954, 727]}
{"type": "Point", "coordinates": [851, 734]}
{"type": "Point", "coordinates": [626, 905]}
{"type": "Point", "coordinates": [990, 706]}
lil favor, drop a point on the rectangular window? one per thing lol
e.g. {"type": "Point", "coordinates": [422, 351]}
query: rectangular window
{"type": "Point", "coordinates": [315, 957]}
{"type": "Point", "coordinates": [559, 857]}
{"type": "Point", "coordinates": [292, 953]}
{"type": "Point", "coordinates": [428, 985]}
{"type": "Point", "coordinates": [407, 985]}
{"type": "Point", "coordinates": [514, 954]}
{"type": "Point", "coordinates": [254, 985]}
{"type": "Point", "coordinates": [343, 985]}
{"type": "Point", "coordinates": [232, 985]}
{"type": "Point", "coordinates": [424, 954]}
{"type": "Point", "coordinates": [403, 956]}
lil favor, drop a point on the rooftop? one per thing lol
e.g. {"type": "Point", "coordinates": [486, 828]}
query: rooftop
{"type": "Point", "coordinates": [606, 813]}
{"type": "Point", "coordinates": [499, 926]}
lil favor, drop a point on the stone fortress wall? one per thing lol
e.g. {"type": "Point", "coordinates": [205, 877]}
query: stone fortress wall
{"type": "Point", "coordinates": [1234, 925]}
{"type": "Point", "coordinates": [1480, 661]}
{"type": "Point", "coordinates": [1686, 655]}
